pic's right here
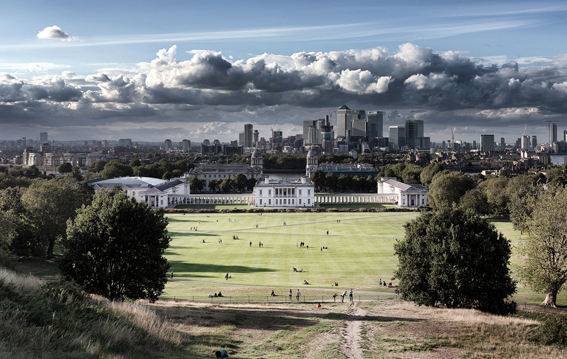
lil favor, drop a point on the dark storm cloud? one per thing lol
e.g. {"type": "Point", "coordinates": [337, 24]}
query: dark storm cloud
{"type": "Point", "coordinates": [413, 82]}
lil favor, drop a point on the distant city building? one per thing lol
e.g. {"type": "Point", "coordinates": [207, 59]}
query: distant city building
{"type": "Point", "coordinates": [409, 195]}
{"type": "Point", "coordinates": [125, 142]}
{"type": "Point", "coordinates": [534, 142]}
{"type": "Point", "coordinates": [221, 171]}
{"type": "Point", "coordinates": [487, 143]}
{"type": "Point", "coordinates": [525, 142]}
{"type": "Point", "coordinates": [185, 146]}
{"type": "Point", "coordinates": [167, 146]}
{"type": "Point", "coordinates": [358, 128]}
{"type": "Point", "coordinates": [344, 122]}
{"type": "Point", "coordinates": [43, 137]}
{"type": "Point", "coordinates": [375, 124]}
{"type": "Point", "coordinates": [279, 192]}
{"type": "Point", "coordinates": [397, 137]}
{"type": "Point", "coordinates": [248, 132]}
{"type": "Point", "coordinates": [553, 132]}
{"type": "Point", "coordinates": [502, 143]}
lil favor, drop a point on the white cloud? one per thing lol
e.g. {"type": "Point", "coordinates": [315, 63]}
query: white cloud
{"type": "Point", "coordinates": [54, 33]}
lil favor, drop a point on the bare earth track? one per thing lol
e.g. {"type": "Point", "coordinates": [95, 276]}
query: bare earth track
{"type": "Point", "coordinates": [351, 333]}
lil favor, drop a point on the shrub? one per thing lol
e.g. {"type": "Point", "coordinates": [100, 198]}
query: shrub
{"type": "Point", "coordinates": [553, 331]}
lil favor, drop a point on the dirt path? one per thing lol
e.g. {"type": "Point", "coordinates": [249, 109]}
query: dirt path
{"type": "Point", "coordinates": [351, 333]}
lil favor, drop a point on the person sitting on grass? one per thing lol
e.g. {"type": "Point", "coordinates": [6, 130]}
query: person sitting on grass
{"type": "Point", "coordinates": [305, 282]}
{"type": "Point", "coordinates": [273, 294]}
{"type": "Point", "coordinates": [220, 294]}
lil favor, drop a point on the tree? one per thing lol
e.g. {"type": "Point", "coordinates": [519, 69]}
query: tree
{"type": "Point", "coordinates": [429, 172]}
{"type": "Point", "coordinates": [331, 181]}
{"type": "Point", "coordinates": [544, 267]}
{"type": "Point", "coordinates": [65, 167]}
{"type": "Point", "coordinates": [115, 248]}
{"type": "Point", "coordinates": [318, 179]}
{"type": "Point", "coordinates": [115, 169]}
{"type": "Point", "coordinates": [167, 176]}
{"type": "Point", "coordinates": [456, 259]}
{"type": "Point", "coordinates": [251, 183]}
{"type": "Point", "coordinates": [496, 194]}
{"type": "Point", "coordinates": [448, 187]}
{"type": "Point", "coordinates": [50, 204]}
{"type": "Point", "coordinates": [196, 184]}
{"type": "Point", "coordinates": [226, 185]}
{"type": "Point", "coordinates": [476, 201]}
{"type": "Point", "coordinates": [97, 166]}
{"type": "Point", "coordinates": [214, 184]}
{"type": "Point", "coordinates": [344, 182]}
{"type": "Point", "coordinates": [74, 176]}
{"type": "Point", "coordinates": [240, 182]}
{"type": "Point", "coordinates": [411, 174]}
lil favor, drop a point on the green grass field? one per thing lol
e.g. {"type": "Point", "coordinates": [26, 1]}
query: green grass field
{"type": "Point", "coordinates": [359, 254]}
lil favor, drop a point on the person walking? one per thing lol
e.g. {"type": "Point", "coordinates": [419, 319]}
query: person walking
{"type": "Point", "coordinates": [350, 295]}
{"type": "Point", "coordinates": [343, 297]}
{"type": "Point", "coordinates": [290, 294]}
{"type": "Point", "coordinates": [297, 295]}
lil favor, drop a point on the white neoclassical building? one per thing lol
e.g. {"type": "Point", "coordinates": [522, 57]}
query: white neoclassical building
{"type": "Point", "coordinates": [156, 192]}
{"type": "Point", "coordinates": [280, 192]}
{"type": "Point", "coordinates": [407, 195]}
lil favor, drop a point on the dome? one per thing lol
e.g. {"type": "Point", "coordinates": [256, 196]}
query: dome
{"type": "Point", "coordinates": [256, 153]}
{"type": "Point", "coordinates": [311, 153]}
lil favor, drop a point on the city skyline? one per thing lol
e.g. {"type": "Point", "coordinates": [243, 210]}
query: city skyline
{"type": "Point", "coordinates": [79, 71]}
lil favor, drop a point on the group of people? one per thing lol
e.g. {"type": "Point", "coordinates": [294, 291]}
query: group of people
{"type": "Point", "coordinates": [324, 247]}
{"type": "Point", "coordinates": [227, 276]}
{"type": "Point", "coordinates": [297, 294]}
{"type": "Point", "coordinates": [260, 244]}
{"type": "Point", "coordinates": [234, 237]}
{"type": "Point", "coordinates": [301, 244]}
{"type": "Point", "coordinates": [389, 284]}
{"type": "Point", "coordinates": [295, 270]}
{"type": "Point", "coordinates": [215, 295]}
{"type": "Point", "coordinates": [350, 295]}
{"type": "Point", "coordinates": [220, 241]}
{"type": "Point", "coordinates": [193, 228]}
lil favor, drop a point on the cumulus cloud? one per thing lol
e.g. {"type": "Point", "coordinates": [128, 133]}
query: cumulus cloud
{"type": "Point", "coordinates": [54, 33]}
{"type": "Point", "coordinates": [209, 88]}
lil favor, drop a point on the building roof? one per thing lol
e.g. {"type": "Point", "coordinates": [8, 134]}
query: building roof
{"type": "Point", "coordinates": [406, 187]}
{"type": "Point", "coordinates": [344, 107]}
{"type": "Point", "coordinates": [132, 181]}
{"type": "Point", "coordinates": [277, 181]}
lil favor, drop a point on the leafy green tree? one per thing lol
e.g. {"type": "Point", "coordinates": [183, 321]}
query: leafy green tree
{"type": "Point", "coordinates": [447, 188]}
{"type": "Point", "coordinates": [251, 183]}
{"type": "Point", "coordinates": [372, 184]}
{"type": "Point", "coordinates": [196, 184]}
{"type": "Point", "coordinates": [476, 201]}
{"type": "Point", "coordinates": [429, 172]}
{"type": "Point", "coordinates": [318, 179]}
{"type": "Point", "coordinates": [65, 167]}
{"type": "Point", "coordinates": [226, 185]}
{"type": "Point", "coordinates": [411, 174]}
{"type": "Point", "coordinates": [239, 182]}
{"type": "Point", "coordinates": [115, 169]}
{"type": "Point", "coordinates": [344, 182]}
{"type": "Point", "coordinates": [97, 166]}
{"type": "Point", "coordinates": [167, 176]}
{"type": "Point", "coordinates": [74, 176]}
{"type": "Point", "coordinates": [496, 194]}
{"type": "Point", "coordinates": [544, 267]}
{"type": "Point", "coordinates": [331, 181]}
{"type": "Point", "coordinates": [50, 204]}
{"type": "Point", "coordinates": [456, 259]}
{"type": "Point", "coordinates": [214, 184]}
{"type": "Point", "coordinates": [135, 163]}
{"type": "Point", "coordinates": [115, 248]}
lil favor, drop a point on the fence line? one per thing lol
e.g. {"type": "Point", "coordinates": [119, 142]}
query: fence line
{"type": "Point", "coordinates": [286, 299]}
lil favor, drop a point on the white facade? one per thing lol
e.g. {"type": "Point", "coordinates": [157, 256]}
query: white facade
{"type": "Point", "coordinates": [277, 192]}
{"type": "Point", "coordinates": [156, 192]}
{"type": "Point", "coordinates": [408, 195]}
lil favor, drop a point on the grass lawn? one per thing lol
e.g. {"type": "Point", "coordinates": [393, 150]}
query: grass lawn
{"type": "Point", "coordinates": [359, 254]}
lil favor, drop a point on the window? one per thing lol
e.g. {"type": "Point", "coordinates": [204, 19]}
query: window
{"type": "Point", "coordinates": [269, 201]}
{"type": "Point", "coordinates": [260, 201]}
{"type": "Point", "coordinates": [308, 201]}
{"type": "Point", "coordinates": [300, 192]}
{"type": "Point", "coordinates": [285, 201]}
{"type": "Point", "coordinates": [260, 193]}
{"type": "Point", "coordinates": [308, 192]}
{"type": "Point", "coordinates": [300, 201]}
{"type": "Point", "coordinates": [269, 192]}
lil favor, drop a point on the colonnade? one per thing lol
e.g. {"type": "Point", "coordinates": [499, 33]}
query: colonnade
{"type": "Point", "coordinates": [331, 198]}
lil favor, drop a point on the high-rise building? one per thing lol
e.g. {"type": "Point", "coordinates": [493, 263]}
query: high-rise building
{"type": "Point", "coordinates": [43, 137]}
{"type": "Point", "coordinates": [344, 121]}
{"type": "Point", "coordinates": [358, 128]}
{"type": "Point", "coordinates": [255, 138]}
{"type": "Point", "coordinates": [168, 146]}
{"type": "Point", "coordinates": [486, 143]}
{"type": "Point", "coordinates": [125, 142]}
{"type": "Point", "coordinates": [397, 136]}
{"type": "Point", "coordinates": [525, 143]}
{"type": "Point", "coordinates": [327, 136]}
{"type": "Point", "coordinates": [248, 131]}
{"type": "Point", "coordinates": [185, 146]}
{"type": "Point", "coordinates": [553, 132]}
{"type": "Point", "coordinates": [565, 135]}
{"type": "Point", "coordinates": [502, 143]}
{"type": "Point", "coordinates": [534, 142]}
{"type": "Point", "coordinates": [241, 139]}
{"type": "Point", "coordinates": [414, 128]}
{"type": "Point", "coordinates": [375, 124]}
{"type": "Point", "coordinates": [474, 144]}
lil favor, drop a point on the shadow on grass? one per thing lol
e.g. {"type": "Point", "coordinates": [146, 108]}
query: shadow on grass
{"type": "Point", "coordinates": [40, 267]}
{"type": "Point", "coordinates": [182, 266]}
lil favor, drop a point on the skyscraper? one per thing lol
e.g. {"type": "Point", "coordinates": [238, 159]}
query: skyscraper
{"type": "Point", "coordinates": [487, 143]}
{"type": "Point", "coordinates": [525, 143]}
{"type": "Point", "coordinates": [553, 132]}
{"type": "Point", "coordinates": [43, 137]}
{"type": "Point", "coordinates": [502, 143]}
{"type": "Point", "coordinates": [248, 131]}
{"type": "Point", "coordinates": [414, 128]}
{"type": "Point", "coordinates": [185, 146]}
{"type": "Point", "coordinates": [397, 136]}
{"type": "Point", "coordinates": [534, 142]}
{"type": "Point", "coordinates": [327, 136]}
{"type": "Point", "coordinates": [344, 121]}
{"type": "Point", "coordinates": [375, 124]}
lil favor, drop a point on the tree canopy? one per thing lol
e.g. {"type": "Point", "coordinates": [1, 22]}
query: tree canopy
{"type": "Point", "coordinates": [456, 259]}
{"type": "Point", "coordinates": [447, 188]}
{"type": "Point", "coordinates": [115, 247]}
{"type": "Point", "coordinates": [544, 266]}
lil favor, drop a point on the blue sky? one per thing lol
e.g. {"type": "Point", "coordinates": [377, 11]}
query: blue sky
{"type": "Point", "coordinates": [186, 69]}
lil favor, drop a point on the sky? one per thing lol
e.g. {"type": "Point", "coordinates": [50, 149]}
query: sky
{"type": "Point", "coordinates": [95, 70]}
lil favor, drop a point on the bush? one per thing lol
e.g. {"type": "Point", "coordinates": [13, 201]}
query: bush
{"type": "Point", "coordinates": [553, 331]}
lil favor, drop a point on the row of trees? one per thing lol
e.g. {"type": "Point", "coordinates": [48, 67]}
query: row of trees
{"type": "Point", "coordinates": [344, 183]}
{"type": "Point", "coordinates": [238, 183]}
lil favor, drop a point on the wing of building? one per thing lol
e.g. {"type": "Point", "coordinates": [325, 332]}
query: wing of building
{"type": "Point", "coordinates": [409, 195]}
{"type": "Point", "coordinates": [156, 192]}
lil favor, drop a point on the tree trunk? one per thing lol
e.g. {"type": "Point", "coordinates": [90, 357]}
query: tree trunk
{"type": "Point", "coordinates": [550, 299]}
{"type": "Point", "coordinates": [50, 248]}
